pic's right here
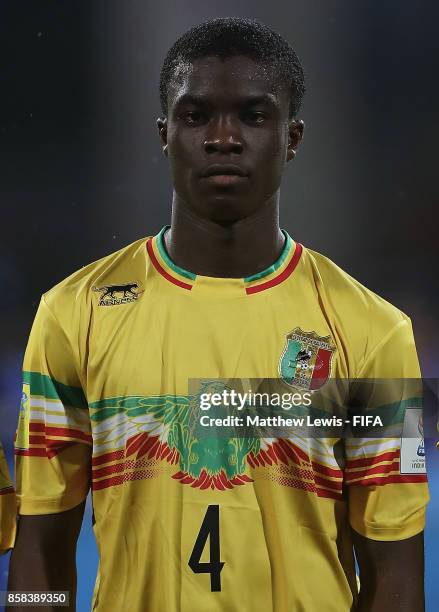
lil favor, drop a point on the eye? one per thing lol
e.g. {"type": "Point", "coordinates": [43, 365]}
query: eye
{"type": "Point", "coordinates": [193, 117]}
{"type": "Point", "coordinates": [255, 116]}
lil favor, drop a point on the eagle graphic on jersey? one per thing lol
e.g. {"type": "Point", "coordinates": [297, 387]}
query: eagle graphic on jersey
{"type": "Point", "coordinates": [164, 427]}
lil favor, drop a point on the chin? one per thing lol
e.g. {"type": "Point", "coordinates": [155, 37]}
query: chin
{"type": "Point", "coordinates": [224, 213]}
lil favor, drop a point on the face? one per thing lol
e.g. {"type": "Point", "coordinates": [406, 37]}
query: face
{"type": "Point", "coordinates": [228, 137]}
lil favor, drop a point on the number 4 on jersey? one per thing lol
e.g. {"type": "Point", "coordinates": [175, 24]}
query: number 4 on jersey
{"type": "Point", "coordinates": [209, 529]}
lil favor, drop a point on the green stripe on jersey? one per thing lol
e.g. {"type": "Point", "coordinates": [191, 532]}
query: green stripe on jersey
{"type": "Point", "coordinates": [164, 255]}
{"type": "Point", "coordinates": [277, 264]}
{"type": "Point", "coordinates": [41, 384]}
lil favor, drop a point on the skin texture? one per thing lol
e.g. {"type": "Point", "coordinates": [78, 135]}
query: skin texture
{"type": "Point", "coordinates": [227, 112]}
{"type": "Point", "coordinates": [44, 555]}
{"type": "Point", "coordinates": [391, 574]}
{"type": "Point", "coordinates": [224, 230]}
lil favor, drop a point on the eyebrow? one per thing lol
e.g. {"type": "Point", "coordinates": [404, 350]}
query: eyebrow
{"type": "Point", "coordinates": [200, 100]}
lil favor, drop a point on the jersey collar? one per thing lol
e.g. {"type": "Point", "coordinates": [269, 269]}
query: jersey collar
{"type": "Point", "coordinates": [272, 276]}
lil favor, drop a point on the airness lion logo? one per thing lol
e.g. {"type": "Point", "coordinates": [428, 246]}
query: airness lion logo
{"type": "Point", "coordinates": [113, 295]}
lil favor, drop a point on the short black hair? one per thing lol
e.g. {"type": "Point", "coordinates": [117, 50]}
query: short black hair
{"type": "Point", "coordinates": [230, 36]}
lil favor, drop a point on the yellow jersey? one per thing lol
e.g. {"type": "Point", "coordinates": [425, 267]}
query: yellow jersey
{"type": "Point", "coordinates": [185, 524]}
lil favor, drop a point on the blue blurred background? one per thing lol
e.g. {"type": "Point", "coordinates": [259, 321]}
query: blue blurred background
{"type": "Point", "coordinates": [82, 172]}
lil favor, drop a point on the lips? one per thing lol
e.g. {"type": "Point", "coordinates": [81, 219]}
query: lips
{"type": "Point", "coordinates": [225, 180]}
{"type": "Point", "coordinates": [224, 175]}
{"type": "Point", "coordinates": [223, 170]}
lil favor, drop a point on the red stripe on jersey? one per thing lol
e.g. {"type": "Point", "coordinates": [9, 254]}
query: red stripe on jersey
{"type": "Point", "coordinates": [134, 443]}
{"type": "Point", "coordinates": [149, 442]}
{"type": "Point", "coordinates": [37, 440]}
{"type": "Point", "coordinates": [278, 450]}
{"type": "Point", "coordinates": [109, 482]}
{"type": "Point", "coordinates": [107, 457]}
{"type": "Point", "coordinates": [323, 358]}
{"type": "Point", "coordinates": [161, 270]}
{"type": "Point", "coordinates": [68, 433]}
{"type": "Point", "coordinates": [326, 470]}
{"type": "Point", "coordinates": [395, 479]}
{"type": "Point", "coordinates": [63, 432]}
{"type": "Point", "coordinates": [367, 461]}
{"type": "Point", "coordinates": [288, 451]}
{"type": "Point", "coordinates": [282, 276]}
{"type": "Point", "coordinates": [109, 469]}
{"type": "Point", "coordinates": [378, 469]}
{"type": "Point", "coordinates": [297, 450]}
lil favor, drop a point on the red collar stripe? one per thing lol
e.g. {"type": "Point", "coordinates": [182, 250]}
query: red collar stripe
{"type": "Point", "coordinates": [282, 276]}
{"type": "Point", "coordinates": [161, 270]}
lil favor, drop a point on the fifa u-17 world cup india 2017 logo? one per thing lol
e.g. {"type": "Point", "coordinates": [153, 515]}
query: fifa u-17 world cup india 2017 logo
{"type": "Point", "coordinates": [421, 447]}
{"type": "Point", "coordinates": [306, 360]}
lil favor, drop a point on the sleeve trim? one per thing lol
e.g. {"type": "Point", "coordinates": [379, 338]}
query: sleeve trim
{"type": "Point", "coordinates": [49, 505]}
{"type": "Point", "coordinates": [388, 534]}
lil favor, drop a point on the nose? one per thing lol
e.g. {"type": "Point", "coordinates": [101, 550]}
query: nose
{"type": "Point", "coordinates": [223, 137]}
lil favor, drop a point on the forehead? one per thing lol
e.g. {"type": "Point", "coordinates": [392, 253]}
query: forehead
{"type": "Point", "coordinates": [224, 80]}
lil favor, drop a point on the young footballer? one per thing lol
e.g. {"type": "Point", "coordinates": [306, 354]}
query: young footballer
{"type": "Point", "coordinates": [191, 523]}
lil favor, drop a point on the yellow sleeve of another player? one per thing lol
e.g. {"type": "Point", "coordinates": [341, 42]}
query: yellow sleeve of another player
{"type": "Point", "coordinates": [386, 476]}
{"type": "Point", "coordinates": [53, 440]}
{"type": "Point", "coordinates": [8, 507]}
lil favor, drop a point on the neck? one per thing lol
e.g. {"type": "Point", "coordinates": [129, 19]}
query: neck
{"type": "Point", "coordinates": [235, 250]}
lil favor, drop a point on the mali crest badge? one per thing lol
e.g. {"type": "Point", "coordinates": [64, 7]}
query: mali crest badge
{"type": "Point", "coordinates": [306, 360]}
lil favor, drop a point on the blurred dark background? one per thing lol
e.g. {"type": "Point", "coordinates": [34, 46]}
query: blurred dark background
{"type": "Point", "coordinates": [82, 172]}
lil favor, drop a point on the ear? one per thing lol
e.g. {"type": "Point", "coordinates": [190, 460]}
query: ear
{"type": "Point", "coordinates": [295, 134]}
{"type": "Point", "coordinates": [162, 125]}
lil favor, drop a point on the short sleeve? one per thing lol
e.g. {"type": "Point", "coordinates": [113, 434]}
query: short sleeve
{"type": "Point", "coordinates": [8, 509]}
{"type": "Point", "coordinates": [53, 441]}
{"type": "Point", "coordinates": [385, 476]}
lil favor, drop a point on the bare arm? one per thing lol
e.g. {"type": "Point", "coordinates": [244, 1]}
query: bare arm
{"type": "Point", "coordinates": [44, 556]}
{"type": "Point", "coordinates": [391, 574]}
